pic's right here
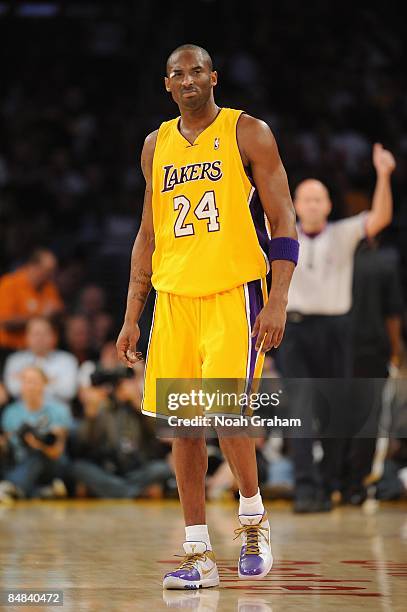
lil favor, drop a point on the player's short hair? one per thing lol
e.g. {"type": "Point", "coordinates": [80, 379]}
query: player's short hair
{"type": "Point", "coordinates": [190, 47]}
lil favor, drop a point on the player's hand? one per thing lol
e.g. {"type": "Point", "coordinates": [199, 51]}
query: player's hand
{"type": "Point", "coordinates": [383, 160]}
{"type": "Point", "coordinates": [270, 324]}
{"type": "Point", "coordinates": [126, 345]}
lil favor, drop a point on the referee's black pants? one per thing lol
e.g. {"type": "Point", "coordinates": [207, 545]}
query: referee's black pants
{"type": "Point", "coordinates": [315, 346]}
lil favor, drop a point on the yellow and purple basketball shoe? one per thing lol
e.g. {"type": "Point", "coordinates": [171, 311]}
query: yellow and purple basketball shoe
{"type": "Point", "coordinates": [197, 570]}
{"type": "Point", "coordinates": [255, 559]}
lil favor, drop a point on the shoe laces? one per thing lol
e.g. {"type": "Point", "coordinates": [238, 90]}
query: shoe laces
{"type": "Point", "coordinates": [190, 560]}
{"type": "Point", "coordinates": [252, 533]}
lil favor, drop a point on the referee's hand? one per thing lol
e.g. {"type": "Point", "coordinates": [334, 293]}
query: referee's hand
{"type": "Point", "coordinates": [270, 324]}
{"type": "Point", "coordinates": [383, 160]}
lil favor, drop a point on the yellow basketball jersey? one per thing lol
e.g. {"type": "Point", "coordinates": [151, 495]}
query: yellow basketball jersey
{"type": "Point", "coordinates": [208, 221]}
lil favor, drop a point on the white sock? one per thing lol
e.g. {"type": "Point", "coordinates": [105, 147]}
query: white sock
{"type": "Point", "coordinates": [198, 533]}
{"type": "Point", "coordinates": [251, 505]}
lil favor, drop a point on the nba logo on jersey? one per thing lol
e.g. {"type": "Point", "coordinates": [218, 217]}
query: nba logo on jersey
{"type": "Point", "coordinates": [216, 144]}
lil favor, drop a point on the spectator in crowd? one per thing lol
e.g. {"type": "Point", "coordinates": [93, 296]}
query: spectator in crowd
{"type": "Point", "coordinates": [70, 278]}
{"type": "Point", "coordinates": [393, 484]}
{"type": "Point", "coordinates": [376, 311]}
{"type": "Point", "coordinates": [116, 452]}
{"type": "Point", "coordinates": [280, 481]}
{"type": "Point", "coordinates": [317, 339]}
{"type": "Point", "coordinates": [92, 304]}
{"type": "Point", "coordinates": [389, 471]}
{"type": "Point", "coordinates": [60, 367]}
{"type": "Point", "coordinates": [25, 293]}
{"type": "Point", "coordinates": [78, 338]}
{"type": "Point", "coordinates": [108, 361]}
{"type": "Point", "coordinates": [92, 301]}
{"type": "Point", "coordinates": [4, 446]}
{"type": "Point", "coordinates": [4, 398]}
{"type": "Point", "coordinates": [36, 429]}
{"type": "Point", "coordinates": [102, 329]}
{"type": "Point", "coordinates": [3, 455]}
{"type": "Point", "coordinates": [269, 370]}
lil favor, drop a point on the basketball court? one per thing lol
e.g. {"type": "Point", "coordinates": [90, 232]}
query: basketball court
{"type": "Point", "coordinates": [110, 555]}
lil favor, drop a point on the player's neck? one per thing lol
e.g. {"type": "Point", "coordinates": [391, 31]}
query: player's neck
{"type": "Point", "coordinates": [199, 118]}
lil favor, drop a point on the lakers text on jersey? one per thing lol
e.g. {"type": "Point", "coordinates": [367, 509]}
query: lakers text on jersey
{"type": "Point", "coordinates": [209, 226]}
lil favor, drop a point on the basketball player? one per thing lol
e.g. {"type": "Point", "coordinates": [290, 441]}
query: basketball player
{"type": "Point", "coordinates": [212, 175]}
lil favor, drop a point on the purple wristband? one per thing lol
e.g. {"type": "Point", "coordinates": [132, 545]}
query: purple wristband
{"type": "Point", "coordinates": [284, 248]}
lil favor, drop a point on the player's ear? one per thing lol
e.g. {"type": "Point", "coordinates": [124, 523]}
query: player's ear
{"type": "Point", "coordinates": [214, 78]}
{"type": "Point", "coordinates": [167, 83]}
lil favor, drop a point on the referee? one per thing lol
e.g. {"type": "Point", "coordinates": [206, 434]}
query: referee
{"type": "Point", "coordinates": [317, 339]}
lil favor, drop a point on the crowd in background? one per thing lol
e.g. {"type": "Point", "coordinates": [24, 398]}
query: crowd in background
{"type": "Point", "coordinates": [72, 123]}
{"type": "Point", "coordinates": [70, 413]}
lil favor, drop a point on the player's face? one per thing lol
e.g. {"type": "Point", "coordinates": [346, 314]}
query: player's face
{"type": "Point", "coordinates": [189, 80]}
{"type": "Point", "coordinates": [312, 203]}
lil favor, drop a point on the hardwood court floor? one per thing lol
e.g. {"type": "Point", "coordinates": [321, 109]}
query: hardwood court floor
{"type": "Point", "coordinates": [110, 555]}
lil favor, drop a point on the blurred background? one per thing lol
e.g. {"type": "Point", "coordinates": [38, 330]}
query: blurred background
{"type": "Point", "coordinates": [81, 86]}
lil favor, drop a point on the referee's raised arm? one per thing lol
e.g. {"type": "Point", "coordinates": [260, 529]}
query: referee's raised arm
{"type": "Point", "coordinates": [381, 212]}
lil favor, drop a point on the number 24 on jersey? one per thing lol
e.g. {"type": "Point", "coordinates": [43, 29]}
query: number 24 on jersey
{"type": "Point", "coordinates": [205, 209]}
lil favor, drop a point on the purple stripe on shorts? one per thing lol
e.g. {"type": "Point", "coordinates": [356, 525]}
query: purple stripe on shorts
{"type": "Point", "coordinates": [256, 303]}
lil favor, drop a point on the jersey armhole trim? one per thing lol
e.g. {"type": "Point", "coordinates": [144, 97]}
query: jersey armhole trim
{"type": "Point", "coordinates": [249, 184]}
{"type": "Point", "coordinates": [155, 149]}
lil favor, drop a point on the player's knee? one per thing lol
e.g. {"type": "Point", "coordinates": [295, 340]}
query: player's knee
{"type": "Point", "coordinates": [189, 442]}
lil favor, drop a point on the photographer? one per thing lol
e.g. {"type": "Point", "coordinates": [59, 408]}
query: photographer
{"type": "Point", "coordinates": [36, 429]}
{"type": "Point", "coordinates": [116, 455]}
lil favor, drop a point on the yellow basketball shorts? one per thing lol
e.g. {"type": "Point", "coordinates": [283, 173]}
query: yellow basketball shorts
{"type": "Point", "coordinates": [203, 338]}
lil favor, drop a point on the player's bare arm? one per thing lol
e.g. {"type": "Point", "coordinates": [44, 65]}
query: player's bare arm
{"type": "Point", "coordinates": [259, 152]}
{"type": "Point", "coordinates": [141, 265]}
{"type": "Point", "coordinates": [382, 204]}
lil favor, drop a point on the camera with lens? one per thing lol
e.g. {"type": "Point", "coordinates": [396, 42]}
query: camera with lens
{"type": "Point", "coordinates": [110, 378]}
{"type": "Point", "coordinates": [46, 437]}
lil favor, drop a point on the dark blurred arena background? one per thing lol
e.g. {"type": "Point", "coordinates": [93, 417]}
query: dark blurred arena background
{"type": "Point", "coordinates": [82, 84]}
